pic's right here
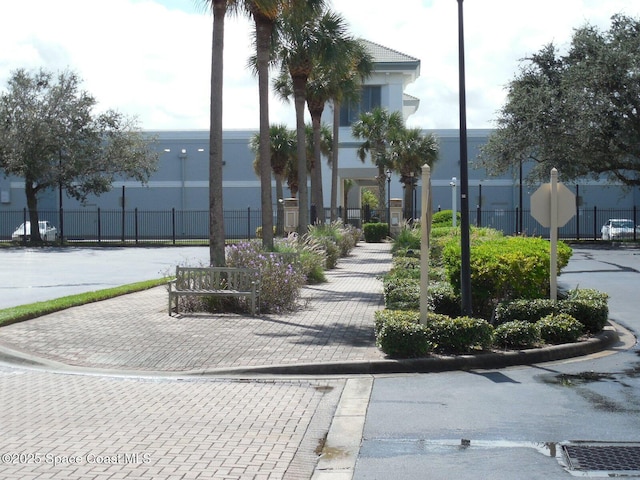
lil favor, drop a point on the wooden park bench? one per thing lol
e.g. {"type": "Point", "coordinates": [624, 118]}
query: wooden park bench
{"type": "Point", "coordinates": [215, 282]}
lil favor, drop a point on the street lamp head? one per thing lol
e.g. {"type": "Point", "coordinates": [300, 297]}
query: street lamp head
{"type": "Point", "coordinates": [388, 174]}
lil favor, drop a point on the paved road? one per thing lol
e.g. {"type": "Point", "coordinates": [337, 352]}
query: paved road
{"type": "Point", "coordinates": [514, 421]}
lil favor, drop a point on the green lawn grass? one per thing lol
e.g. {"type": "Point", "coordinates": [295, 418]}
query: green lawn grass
{"type": "Point", "coordinates": [26, 312]}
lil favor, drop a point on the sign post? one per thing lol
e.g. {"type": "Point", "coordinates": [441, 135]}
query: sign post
{"type": "Point", "coordinates": [553, 205]}
{"type": "Point", "coordinates": [425, 232]}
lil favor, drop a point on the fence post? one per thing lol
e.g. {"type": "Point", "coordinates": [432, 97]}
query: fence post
{"type": "Point", "coordinates": [173, 225]}
{"type": "Point", "coordinates": [478, 216]}
{"type": "Point", "coordinates": [635, 229]}
{"type": "Point", "coordinates": [135, 219]}
{"type": "Point", "coordinates": [99, 227]}
{"type": "Point", "coordinates": [249, 223]}
{"type": "Point", "coordinates": [595, 220]}
{"type": "Point", "coordinates": [577, 212]}
{"type": "Point", "coordinates": [517, 216]}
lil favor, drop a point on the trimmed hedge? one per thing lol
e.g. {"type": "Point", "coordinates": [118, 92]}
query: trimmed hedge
{"type": "Point", "coordinates": [404, 339]}
{"type": "Point", "coordinates": [497, 263]}
{"type": "Point", "coordinates": [588, 306]}
{"type": "Point", "coordinates": [516, 334]}
{"type": "Point", "coordinates": [460, 335]}
{"type": "Point", "coordinates": [560, 328]}
{"type": "Point", "coordinates": [399, 334]}
{"type": "Point", "coordinates": [375, 232]}
{"type": "Point", "coordinates": [526, 310]}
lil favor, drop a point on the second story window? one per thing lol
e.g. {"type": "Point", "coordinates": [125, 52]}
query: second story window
{"type": "Point", "coordinates": [369, 99]}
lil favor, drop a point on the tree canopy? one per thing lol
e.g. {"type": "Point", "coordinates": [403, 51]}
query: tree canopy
{"type": "Point", "coordinates": [51, 136]}
{"type": "Point", "coordinates": [578, 112]}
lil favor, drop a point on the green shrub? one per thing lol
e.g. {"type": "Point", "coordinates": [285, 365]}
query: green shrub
{"type": "Point", "coordinates": [527, 310]}
{"type": "Point", "coordinates": [405, 267]}
{"type": "Point", "coordinates": [312, 257]}
{"type": "Point", "coordinates": [375, 232]}
{"type": "Point", "coordinates": [459, 335]}
{"type": "Point", "coordinates": [443, 299]}
{"type": "Point", "coordinates": [589, 307]}
{"type": "Point", "coordinates": [402, 294]}
{"type": "Point", "coordinates": [444, 218]}
{"type": "Point", "coordinates": [380, 317]}
{"type": "Point", "coordinates": [516, 334]}
{"type": "Point", "coordinates": [404, 339]}
{"type": "Point", "coordinates": [408, 239]}
{"type": "Point", "coordinates": [504, 268]}
{"type": "Point", "coordinates": [559, 328]}
{"type": "Point", "coordinates": [592, 313]}
{"type": "Point", "coordinates": [280, 282]}
{"type": "Point", "coordinates": [344, 237]}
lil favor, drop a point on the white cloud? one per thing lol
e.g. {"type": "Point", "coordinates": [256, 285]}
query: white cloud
{"type": "Point", "coordinates": [152, 58]}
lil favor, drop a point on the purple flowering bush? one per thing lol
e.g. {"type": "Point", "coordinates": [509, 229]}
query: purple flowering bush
{"type": "Point", "coordinates": [280, 281]}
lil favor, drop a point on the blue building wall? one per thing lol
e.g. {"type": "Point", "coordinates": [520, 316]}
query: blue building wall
{"type": "Point", "coordinates": [181, 180]}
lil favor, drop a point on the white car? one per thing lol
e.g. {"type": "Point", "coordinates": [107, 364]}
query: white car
{"type": "Point", "coordinates": [48, 232]}
{"type": "Point", "coordinates": [617, 228]}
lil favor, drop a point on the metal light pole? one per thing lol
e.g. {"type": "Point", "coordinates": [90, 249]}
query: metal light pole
{"type": "Point", "coordinates": [465, 257]}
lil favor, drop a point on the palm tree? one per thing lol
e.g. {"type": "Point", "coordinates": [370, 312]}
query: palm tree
{"type": "Point", "coordinates": [378, 128]}
{"type": "Point", "coordinates": [323, 85]}
{"type": "Point", "coordinates": [305, 39]}
{"type": "Point", "coordinates": [409, 152]}
{"type": "Point", "coordinates": [265, 14]}
{"type": "Point", "coordinates": [281, 151]}
{"type": "Point", "coordinates": [319, 144]}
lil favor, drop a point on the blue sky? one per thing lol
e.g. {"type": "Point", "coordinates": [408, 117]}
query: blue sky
{"type": "Point", "coordinates": [151, 58]}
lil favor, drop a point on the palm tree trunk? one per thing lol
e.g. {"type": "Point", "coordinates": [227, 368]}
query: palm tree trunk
{"type": "Point", "coordinates": [334, 161]}
{"type": "Point", "coordinates": [216, 215]}
{"type": "Point", "coordinates": [316, 191]}
{"type": "Point", "coordinates": [263, 42]}
{"type": "Point", "coordinates": [382, 193]}
{"type": "Point", "coordinates": [279, 206]}
{"type": "Point", "coordinates": [299, 87]}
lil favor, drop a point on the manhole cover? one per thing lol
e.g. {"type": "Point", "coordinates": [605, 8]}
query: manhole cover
{"type": "Point", "coordinates": [603, 457]}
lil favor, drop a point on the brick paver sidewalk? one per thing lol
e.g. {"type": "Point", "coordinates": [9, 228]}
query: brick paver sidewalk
{"type": "Point", "coordinates": [134, 332]}
{"type": "Point", "coordinates": [60, 426]}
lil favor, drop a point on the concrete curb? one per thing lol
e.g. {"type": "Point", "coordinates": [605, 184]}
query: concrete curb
{"type": "Point", "coordinates": [436, 363]}
{"type": "Point", "coordinates": [600, 342]}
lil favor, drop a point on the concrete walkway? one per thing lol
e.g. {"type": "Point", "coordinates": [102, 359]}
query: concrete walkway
{"type": "Point", "coordinates": [134, 333]}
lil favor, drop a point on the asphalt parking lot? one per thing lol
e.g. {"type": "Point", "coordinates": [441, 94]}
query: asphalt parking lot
{"type": "Point", "coordinates": [37, 274]}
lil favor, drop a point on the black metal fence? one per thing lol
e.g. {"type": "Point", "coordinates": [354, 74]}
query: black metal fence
{"type": "Point", "coordinates": [193, 226]}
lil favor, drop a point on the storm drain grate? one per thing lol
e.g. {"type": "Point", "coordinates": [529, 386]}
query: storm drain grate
{"type": "Point", "coordinates": [603, 457]}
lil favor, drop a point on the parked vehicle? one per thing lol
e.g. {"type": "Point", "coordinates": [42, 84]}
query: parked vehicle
{"type": "Point", "coordinates": [48, 232]}
{"type": "Point", "coordinates": [617, 228]}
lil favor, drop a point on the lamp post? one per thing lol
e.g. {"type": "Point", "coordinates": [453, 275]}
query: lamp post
{"type": "Point", "coordinates": [465, 257]}
{"type": "Point", "coordinates": [454, 197]}
{"type": "Point", "coordinates": [388, 202]}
